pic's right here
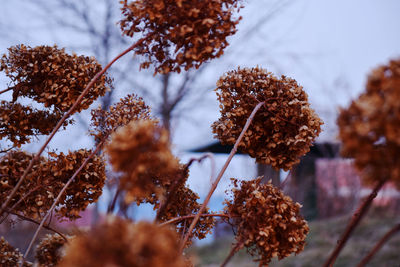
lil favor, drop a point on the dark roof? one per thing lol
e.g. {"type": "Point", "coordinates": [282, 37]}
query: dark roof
{"type": "Point", "coordinates": [318, 150]}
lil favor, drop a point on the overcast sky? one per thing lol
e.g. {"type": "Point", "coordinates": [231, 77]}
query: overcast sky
{"type": "Point", "coordinates": [327, 46]}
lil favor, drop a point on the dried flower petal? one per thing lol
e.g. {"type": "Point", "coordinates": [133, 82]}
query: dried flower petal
{"type": "Point", "coordinates": [282, 130]}
{"type": "Point", "coordinates": [267, 221]}
{"type": "Point", "coordinates": [369, 127]}
{"type": "Point", "coordinates": [122, 243]}
{"type": "Point", "coordinates": [184, 33]}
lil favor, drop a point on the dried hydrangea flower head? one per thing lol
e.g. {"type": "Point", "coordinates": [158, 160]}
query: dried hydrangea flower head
{"type": "Point", "coordinates": [52, 77]}
{"type": "Point", "coordinates": [19, 123]}
{"type": "Point", "coordinates": [126, 110]}
{"type": "Point", "coordinates": [370, 127]}
{"type": "Point", "coordinates": [48, 176]}
{"type": "Point", "coordinates": [184, 33]}
{"type": "Point", "coordinates": [183, 201]}
{"type": "Point", "coordinates": [9, 256]}
{"type": "Point", "coordinates": [141, 151]}
{"type": "Point", "coordinates": [267, 222]}
{"type": "Point", "coordinates": [282, 130]}
{"type": "Point", "coordinates": [50, 250]}
{"type": "Point", "coordinates": [121, 243]}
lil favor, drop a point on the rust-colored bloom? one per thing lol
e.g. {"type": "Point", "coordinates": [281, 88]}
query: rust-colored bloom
{"type": "Point", "coordinates": [52, 77]}
{"type": "Point", "coordinates": [282, 130]}
{"type": "Point", "coordinates": [9, 256]}
{"type": "Point", "coordinates": [19, 123]}
{"type": "Point", "coordinates": [40, 188]}
{"type": "Point", "coordinates": [121, 243]}
{"type": "Point", "coordinates": [50, 250]}
{"type": "Point", "coordinates": [266, 221]}
{"type": "Point", "coordinates": [369, 127]}
{"type": "Point", "coordinates": [126, 110]}
{"type": "Point", "coordinates": [184, 33]}
{"type": "Point", "coordinates": [141, 152]}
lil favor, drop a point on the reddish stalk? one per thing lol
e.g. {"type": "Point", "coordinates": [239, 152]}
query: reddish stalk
{"type": "Point", "coordinates": [357, 216]}
{"type": "Point", "coordinates": [66, 115]}
{"type": "Point", "coordinates": [217, 180]}
{"type": "Point", "coordinates": [178, 219]}
{"type": "Point", "coordinates": [378, 246]}
{"type": "Point", "coordinates": [235, 249]}
{"type": "Point", "coordinates": [59, 196]}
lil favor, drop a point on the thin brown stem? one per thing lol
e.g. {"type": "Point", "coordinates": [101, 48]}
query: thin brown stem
{"type": "Point", "coordinates": [357, 216]}
{"type": "Point", "coordinates": [111, 207]}
{"type": "Point", "coordinates": [48, 227]}
{"type": "Point", "coordinates": [66, 115]}
{"type": "Point", "coordinates": [217, 180]}
{"type": "Point", "coordinates": [378, 245]}
{"type": "Point", "coordinates": [182, 218]}
{"type": "Point", "coordinates": [94, 152]}
{"type": "Point", "coordinates": [6, 90]}
{"type": "Point", "coordinates": [234, 249]}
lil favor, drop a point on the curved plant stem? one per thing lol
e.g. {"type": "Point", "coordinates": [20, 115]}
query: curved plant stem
{"type": "Point", "coordinates": [378, 245]}
{"type": "Point", "coordinates": [36, 222]}
{"type": "Point", "coordinates": [94, 152]}
{"type": "Point", "coordinates": [235, 249]}
{"type": "Point", "coordinates": [215, 184]}
{"type": "Point", "coordinates": [66, 115]}
{"type": "Point", "coordinates": [357, 216]}
{"type": "Point", "coordinates": [178, 219]}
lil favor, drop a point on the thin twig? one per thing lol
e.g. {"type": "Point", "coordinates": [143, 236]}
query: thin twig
{"type": "Point", "coordinates": [60, 195]}
{"type": "Point", "coordinates": [111, 207]}
{"type": "Point", "coordinates": [48, 227]}
{"type": "Point", "coordinates": [6, 90]}
{"type": "Point", "coordinates": [181, 218]}
{"type": "Point", "coordinates": [234, 249]}
{"type": "Point", "coordinates": [66, 115]}
{"type": "Point", "coordinates": [357, 216]}
{"type": "Point", "coordinates": [378, 246]}
{"type": "Point", "coordinates": [215, 184]}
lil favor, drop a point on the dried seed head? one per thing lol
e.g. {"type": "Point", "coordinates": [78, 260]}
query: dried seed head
{"type": "Point", "coordinates": [369, 127]}
{"type": "Point", "coordinates": [182, 201]}
{"type": "Point", "coordinates": [48, 176]}
{"type": "Point", "coordinates": [19, 123]}
{"type": "Point", "coordinates": [282, 130]}
{"type": "Point", "coordinates": [126, 110]}
{"type": "Point", "coordinates": [9, 256]}
{"type": "Point", "coordinates": [52, 77]}
{"type": "Point", "coordinates": [267, 221]}
{"type": "Point", "coordinates": [141, 151]}
{"type": "Point", "coordinates": [50, 250]}
{"type": "Point", "coordinates": [122, 243]}
{"type": "Point", "coordinates": [184, 33]}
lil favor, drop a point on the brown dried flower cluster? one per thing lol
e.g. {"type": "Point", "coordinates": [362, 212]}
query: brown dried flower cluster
{"type": "Point", "coordinates": [18, 123]}
{"type": "Point", "coordinates": [45, 181]}
{"type": "Point", "coordinates": [9, 256]}
{"type": "Point", "coordinates": [141, 151]}
{"type": "Point", "coordinates": [183, 33]}
{"type": "Point", "coordinates": [126, 110]}
{"type": "Point", "coordinates": [50, 76]}
{"type": "Point", "coordinates": [50, 250]}
{"type": "Point", "coordinates": [182, 201]}
{"type": "Point", "coordinates": [122, 243]}
{"type": "Point", "coordinates": [369, 127]}
{"type": "Point", "coordinates": [282, 130]}
{"type": "Point", "coordinates": [266, 221]}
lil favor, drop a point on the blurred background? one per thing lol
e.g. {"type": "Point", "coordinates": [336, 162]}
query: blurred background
{"type": "Point", "coordinates": [329, 47]}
